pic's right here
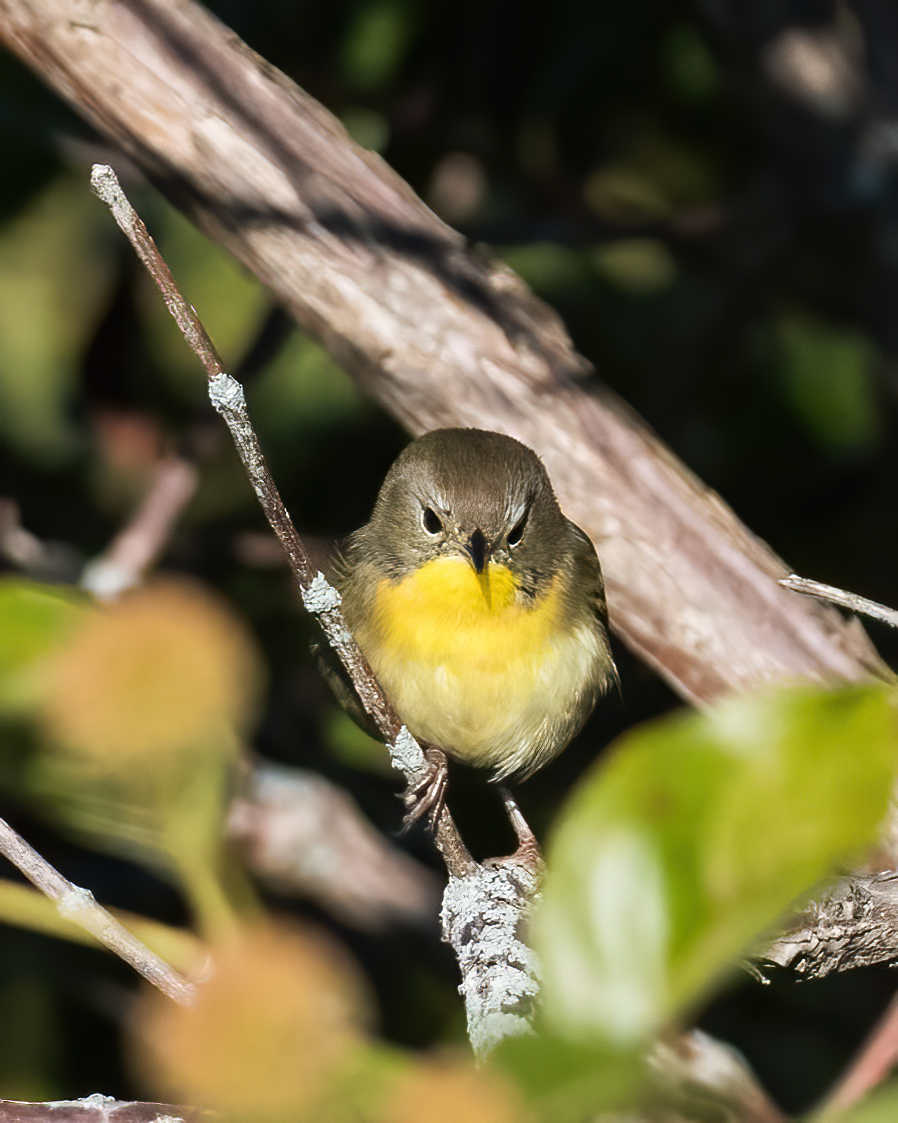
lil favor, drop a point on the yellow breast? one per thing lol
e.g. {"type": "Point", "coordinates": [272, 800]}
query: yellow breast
{"type": "Point", "coordinates": [489, 679]}
{"type": "Point", "coordinates": [446, 613]}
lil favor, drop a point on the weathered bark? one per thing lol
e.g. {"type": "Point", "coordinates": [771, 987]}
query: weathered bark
{"type": "Point", "coordinates": [97, 1108]}
{"type": "Point", "coordinates": [854, 925]}
{"type": "Point", "coordinates": [438, 333]}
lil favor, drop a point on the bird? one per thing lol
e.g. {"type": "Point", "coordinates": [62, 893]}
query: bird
{"type": "Point", "coordinates": [479, 606]}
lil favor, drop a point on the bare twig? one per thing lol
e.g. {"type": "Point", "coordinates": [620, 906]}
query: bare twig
{"type": "Point", "coordinates": [319, 597]}
{"type": "Point", "coordinates": [697, 1070]}
{"type": "Point", "coordinates": [98, 1108]}
{"type": "Point", "coordinates": [79, 906]}
{"type": "Point", "coordinates": [47, 561]}
{"type": "Point", "coordinates": [492, 899]}
{"type": "Point", "coordinates": [841, 597]}
{"type": "Point", "coordinates": [123, 564]}
{"type": "Point", "coordinates": [873, 1062]}
{"type": "Point", "coordinates": [27, 907]}
{"type": "Point", "coordinates": [301, 833]}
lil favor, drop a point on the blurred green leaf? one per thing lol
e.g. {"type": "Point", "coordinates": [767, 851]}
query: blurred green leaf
{"type": "Point", "coordinates": [828, 380]}
{"type": "Point", "coordinates": [564, 1080]}
{"type": "Point", "coordinates": [693, 838]}
{"type": "Point", "coordinates": [690, 64]}
{"type": "Point", "coordinates": [879, 1107]}
{"type": "Point", "coordinates": [376, 42]}
{"type": "Point", "coordinates": [53, 276]}
{"type": "Point", "coordinates": [637, 265]}
{"type": "Point", "coordinates": [366, 126]}
{"type": "Point", "coordinates": [620, 193]}
{"type": "Point", "coordinates": [550, 268]}
{"type": "Point", "coordinates": [352, 746]}
{"type": "Point", "coordinates": [302, 389]}
{"type": "Point", "coordinates": [230, 302]}
{"type": "Point", "coordinates": [37, 619]}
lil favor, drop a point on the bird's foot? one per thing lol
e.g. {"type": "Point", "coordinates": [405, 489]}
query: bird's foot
{"type": "Point", "coordinates": [528, 853]}
{"type": "Point", "coordinates": [426, 797]}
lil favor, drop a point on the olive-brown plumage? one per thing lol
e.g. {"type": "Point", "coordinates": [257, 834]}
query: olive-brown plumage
{"type": "Point", "coordinates": [478, 604]}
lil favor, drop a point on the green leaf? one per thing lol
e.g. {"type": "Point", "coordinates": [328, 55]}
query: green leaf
{"type": "Point", "coordinates": [829, 380]}
{"type": "Point", "coordinates": [566, 1081]}
{"type": "Point", "coordinates": [46, 318]}
{"type": "Point", "coordinates": [37, 619]}
{"type": "Point", "coordinates": [692, 839]}
{"type": "Point", "coordinates": [880, 1107]}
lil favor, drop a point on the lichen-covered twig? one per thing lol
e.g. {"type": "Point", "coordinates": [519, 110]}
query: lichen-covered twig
{"type": "Point", "coordinates": [97, 1108]}
{"type": "Point", "coordinates": [498, 977]}
{"type": "Point", "coordinates": [318, 596]}
{"type": "Point", "coordinates": [79, 906]}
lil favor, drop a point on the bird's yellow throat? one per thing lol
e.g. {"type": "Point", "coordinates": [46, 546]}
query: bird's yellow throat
{"type": "Point", "coordinates": [444, 611]}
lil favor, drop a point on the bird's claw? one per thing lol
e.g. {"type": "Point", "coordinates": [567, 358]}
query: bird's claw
{"type": "Point", "coordinates": [426, 797]}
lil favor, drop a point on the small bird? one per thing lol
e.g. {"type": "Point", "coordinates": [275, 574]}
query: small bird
{"type": "Point", "coordinates": [479, 606]}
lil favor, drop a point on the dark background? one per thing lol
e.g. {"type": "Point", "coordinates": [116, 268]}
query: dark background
{"type": "Point", "coordinates": [707, 193]}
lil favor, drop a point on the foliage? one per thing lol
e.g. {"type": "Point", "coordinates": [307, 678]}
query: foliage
{"type": "Point", "coordinates": [679, 849]}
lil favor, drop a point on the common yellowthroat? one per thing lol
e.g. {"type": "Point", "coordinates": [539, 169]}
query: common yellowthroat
{"type": "Point", "coordinates": [479, 606]}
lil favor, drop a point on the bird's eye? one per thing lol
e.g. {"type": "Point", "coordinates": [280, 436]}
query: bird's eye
{"type": "Point", "coordinates": [431, 521]}
{"type": "Point", "coordinates": [517, 531]}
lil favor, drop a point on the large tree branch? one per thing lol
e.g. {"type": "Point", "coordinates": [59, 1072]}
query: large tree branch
{"type": "Point", "coordinates": [437, 332]}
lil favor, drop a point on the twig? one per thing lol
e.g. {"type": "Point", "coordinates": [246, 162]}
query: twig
{"type": "Point", "coordinates": [872, 1064]}
{"type": "Point", "coordinates": [318, 596]}
{"type": "Point", "coordinates": [493, 899]}
{"type": "Point", "coordinates": [26, 907]}
{"type": "Point", "coordinates": [79, 905]}
{"type": "Point", "coordinates": [841, 597]}
{"type": "Point", "coordinates": [98, 1108]}
{"type": "Point", "coordinates": [122, 565]}
{"type": "Point", "coordinates": [296, 829]}
{"type": "Point", "coordinates": [698, 1069]}
{"type": "Point", "coordinates": [854, 925]}
{"type": "Point", "coordinates": [45, 561]}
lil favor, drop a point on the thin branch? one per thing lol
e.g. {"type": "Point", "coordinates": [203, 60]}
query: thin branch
{"type": "Point", "coordinates": [26, 907]}
{"type": "Point", "coordinates": [841, 597]}
{"type": "Point", "coordinates": [483, 905]}
{"type": "Point", "coordinates": [98, 1108]}
{"type": "Point", "coordinates": [873, 1062]}
{"type": "Point", "coordinates": [79, 906]}
{"type": "Point", "coordinates": [695, 1069]}
{"type": "Point", "coordinates": [318, 596]}
{"type": "Point", "coordinates": [133, 550]}
{"type": "Point", "coordinates": [853, 925]}
{"type": "Point", "coordinates": [300, 833]}
{"type": "Point", "coordinates": [42, 560]}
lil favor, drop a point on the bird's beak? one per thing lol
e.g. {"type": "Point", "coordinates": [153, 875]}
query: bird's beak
{"type": "Point", "coordinates": [477, 550]}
